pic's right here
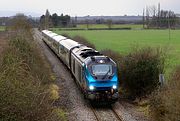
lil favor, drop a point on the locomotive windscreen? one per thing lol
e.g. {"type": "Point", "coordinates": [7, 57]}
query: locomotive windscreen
{"type": "Point", "coordinates": [102, 69]}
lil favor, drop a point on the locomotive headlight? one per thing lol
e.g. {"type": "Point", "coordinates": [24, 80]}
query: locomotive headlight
{"type": "Point", "coordinates": [114, 87]}
{"type": "Point", "coordinates": [91, 87]}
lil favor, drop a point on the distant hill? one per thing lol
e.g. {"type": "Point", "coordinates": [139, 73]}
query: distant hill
{"type": "Point", "coordinates": [103, 19]}
{"type": "Point", "coordinates": [114, 18]}
{"type": "Point", "coordinates": [12, 13]}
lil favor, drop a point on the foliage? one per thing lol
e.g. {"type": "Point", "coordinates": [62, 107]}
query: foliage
{"type": "Point", "coordinates": [166, 19]}
{"type": "Point", "coordinates": [139, 71]}
{"type": "Point", "coordinates": [109, 23]}
{"type": "Point", "coordinates": [25, 78]}
{"type": "Point", "coordinates": [159, 18]}
{"type": "Point", "coordinates": [54, 20]}
{"type": "Point", "coordinates": [20, 23]}
{"type": "Point", "coordinates": [165, 102]}
{"type": "Point", "coordinates": [101, 26]}
{"type": "Point", "coordinates": [2, 28]}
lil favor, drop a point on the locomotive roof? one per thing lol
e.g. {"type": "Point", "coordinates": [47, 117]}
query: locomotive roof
{"type": "Point", "coordinates": [52, 34]}
{"type": "Point", "coordinates": [46, 31]}
{"type": "Point", "coordinates": [58, 38]}
{"type": "Point", "coordinates": [68, 43]}
{"type": "Point", "coordinates": [49, 33]}
{"type": "Point", "coordinates": [84, 52]}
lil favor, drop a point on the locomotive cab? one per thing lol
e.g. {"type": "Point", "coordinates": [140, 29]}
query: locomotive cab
{"type": "Point", "coordinates": [101, 78]}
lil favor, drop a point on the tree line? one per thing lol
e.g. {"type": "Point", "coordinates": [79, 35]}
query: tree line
{"type": "Point", "coordinates": [54, 20]}
{"type": "Point", "coordinates": [154, 17]}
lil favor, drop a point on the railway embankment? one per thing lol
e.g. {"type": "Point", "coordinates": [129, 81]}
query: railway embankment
{"type": "Point", "coordinates": [27, 89]}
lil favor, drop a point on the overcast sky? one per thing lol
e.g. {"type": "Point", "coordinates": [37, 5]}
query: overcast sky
{"type": "Point", "coordinates": [85, 7]}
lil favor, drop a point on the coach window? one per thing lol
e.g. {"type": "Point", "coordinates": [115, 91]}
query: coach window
{"type": "Point", "coordinates": [62, 49]}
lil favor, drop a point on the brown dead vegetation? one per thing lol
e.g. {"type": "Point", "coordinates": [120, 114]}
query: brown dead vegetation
{"type": "Point", "coordinates": [3, 41]}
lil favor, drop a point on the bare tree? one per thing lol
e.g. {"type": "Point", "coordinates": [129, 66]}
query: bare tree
{"type": "Point", "coordinates": [47, 19]}
{"type": "Point", "coordinates": [109, 23]}
{"type": "Point", "coordinates": [147, 17]}
{"type": "Point", "coordinates": [159, 11]}
{"type": "Point", "coordinates": [87, 23]}
{"type": "Point", "coordinates": [143, 19]}
{"type": "Point", "coordinates": [19, 23]}
{"type": "Point", "coordinates": [156, 18]}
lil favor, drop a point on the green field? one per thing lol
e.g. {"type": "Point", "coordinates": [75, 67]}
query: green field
{"type": "Point", "coordinates": [100, 26]}
{"type": "Point", "coordinates": [123, 41]}
{"type": "Point", "coordinates": [133, 26]}
{"type": "Point", "coordinates": [2, 28]}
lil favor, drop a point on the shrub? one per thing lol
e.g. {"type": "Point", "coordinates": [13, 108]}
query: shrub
{"type": "Point", "coordinates": [23, 97]}
{"type": "Point", "coordinates": [139, 71]}
{"type": "Point", "coordinates": [165, 102]}
{"type": "Point", "coordinates": [26, 93]}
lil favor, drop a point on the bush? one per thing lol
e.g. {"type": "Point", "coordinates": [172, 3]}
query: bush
{"type": "Point", "coordinates": [139, 71]}
{"type": "Point", "coordinates": [165, 102]}
{"type": "Point", "coordinates": [23, 97]}
{"type": "Point", "coordinates": [25, 81]}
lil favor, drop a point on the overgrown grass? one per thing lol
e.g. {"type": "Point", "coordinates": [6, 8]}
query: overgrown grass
{"type": "Point", "coordinates": [96, 26]}
{"type": "Point", "coordinates": [2, 28]}
{"type": "Point", "coordinates": [138, 71]}
{"type": "Point", "coordinates": [165, 102]}
{"type": "Point", "coordinates": [133, 26]}
{"type": "Point", "coordinates": [25, 80]}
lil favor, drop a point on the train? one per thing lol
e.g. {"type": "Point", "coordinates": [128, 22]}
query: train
{"type": "Point", "coordinates": [95, 73]}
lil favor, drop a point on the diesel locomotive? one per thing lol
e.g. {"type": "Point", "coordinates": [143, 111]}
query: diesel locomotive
{"type": "Point", "coordinates": [95, 73]}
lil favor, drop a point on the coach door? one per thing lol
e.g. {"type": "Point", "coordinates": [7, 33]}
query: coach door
{"type": "Point", "coordinates": [79, 74]}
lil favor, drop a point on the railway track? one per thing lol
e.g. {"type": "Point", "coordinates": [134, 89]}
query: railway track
{"type": "Point", "coordinates": [117, 115]}
{"type": "Point", "coordinates": [98, 114]}
{"type": "Point", "coordinates": [95, 114]}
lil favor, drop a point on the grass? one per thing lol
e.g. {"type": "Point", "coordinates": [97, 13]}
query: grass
{"type": "Point", "coordinates": [99, 26]}
{"type": "Point", "coordinates": [133, 26]}
{"type": "Point", "coordinates": [27, 89]}
{"type": "Point", "coordinates": [123, 41]}
{"type": "Point", "coordinates": [165, 102]}
{"type": "Point", "coordinates": [2, 28]}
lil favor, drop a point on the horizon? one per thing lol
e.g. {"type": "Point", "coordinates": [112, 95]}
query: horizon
{"type": "Point", "coordinates": [84, 8]}
{"type": "Point", "coordinates": [36, 15]}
